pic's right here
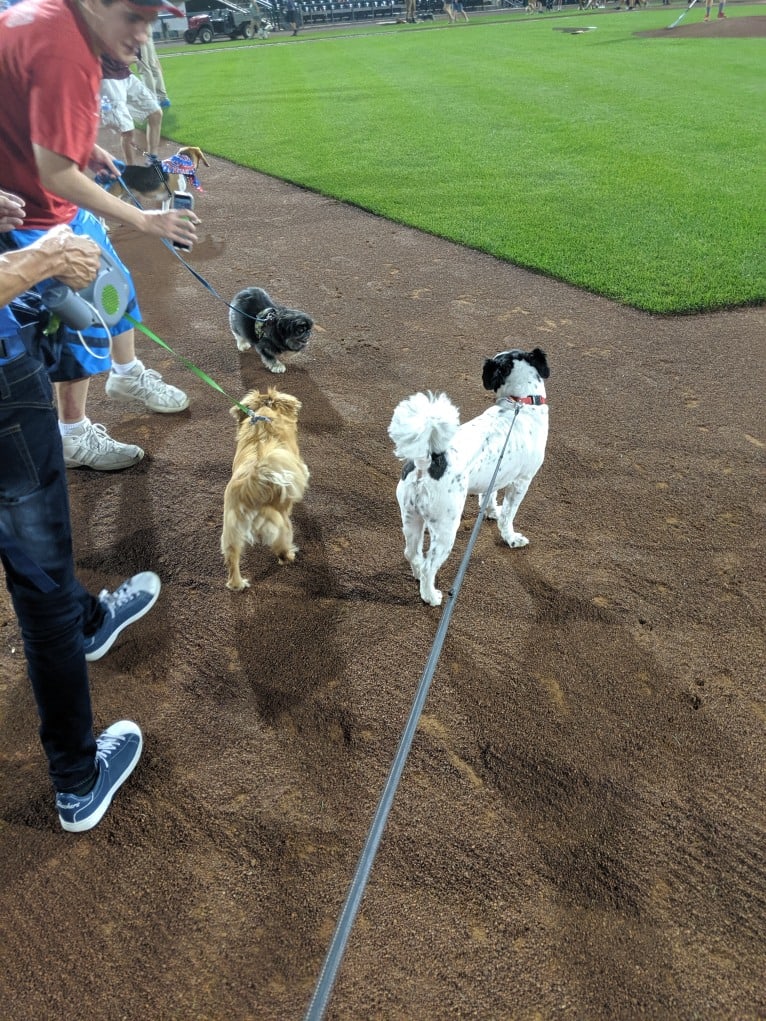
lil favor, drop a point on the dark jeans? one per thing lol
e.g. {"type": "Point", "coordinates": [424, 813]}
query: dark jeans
{"type": "Point", "coordinates": [34, 515]}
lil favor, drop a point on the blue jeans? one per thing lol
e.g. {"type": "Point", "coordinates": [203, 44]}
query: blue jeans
{"type": "Point", "coordinates": [34, 519]}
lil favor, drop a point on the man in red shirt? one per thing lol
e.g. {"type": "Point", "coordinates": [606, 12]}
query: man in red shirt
{"type": "Point", "coordinates": [50, 76]}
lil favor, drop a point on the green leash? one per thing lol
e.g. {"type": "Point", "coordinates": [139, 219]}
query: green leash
{"type": "Point", "coordinates": [196, 370]}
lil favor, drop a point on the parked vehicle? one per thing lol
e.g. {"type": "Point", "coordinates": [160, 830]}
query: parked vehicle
{"type": "Point", "coordinates": [235, 22]}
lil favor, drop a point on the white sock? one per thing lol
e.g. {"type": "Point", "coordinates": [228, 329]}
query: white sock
{"type": "Point", "coordinates": [126, 369]}
{"type": "Point", "coordinates": [67, 428]}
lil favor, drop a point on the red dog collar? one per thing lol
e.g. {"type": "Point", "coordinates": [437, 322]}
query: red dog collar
{"type": "Point", "coordinates": [535, 399]}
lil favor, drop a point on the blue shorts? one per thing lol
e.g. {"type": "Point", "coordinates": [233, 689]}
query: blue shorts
{"type": "Point", "coordinates": [76, 361]}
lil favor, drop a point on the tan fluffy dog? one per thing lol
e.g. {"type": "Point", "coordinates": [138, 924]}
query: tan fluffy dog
{"type": "Point", "coordinates": [268, 477]}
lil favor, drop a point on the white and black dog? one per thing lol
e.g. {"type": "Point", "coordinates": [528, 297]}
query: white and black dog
{"type": "Point", "coordinates": [445, 461]}
{"type": "Point", "coordinates": [256, 320]}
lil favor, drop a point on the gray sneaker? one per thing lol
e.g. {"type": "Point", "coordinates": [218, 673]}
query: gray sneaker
{"type": "Point", "coordinates": [148, 388]}
{"type": "Point", "coordinates": [92, 447]}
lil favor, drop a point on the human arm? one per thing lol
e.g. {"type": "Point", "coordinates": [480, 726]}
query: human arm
{"type": "Point", "coordinates": [60, 254]}
{"type": "Point", "coordinates": [64, 178]}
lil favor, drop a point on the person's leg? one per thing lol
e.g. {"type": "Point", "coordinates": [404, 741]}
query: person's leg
{"type": "Point", "coordinates": [144, 108]}
{"type": "Point", "coordinates": [154, 131]}
{"type": "Point", "coordinates": [129, 148]}
{"type": "Point", "coordinates": [71, 399]}
{"type": "Point", "coordinates": [54, 611]}
{"type": "Point", "coordinates": [116, 116]}
{"type": "Point", "coordinates": [152, 62]}
{"type": "Point", "coordinates": [34, 512]}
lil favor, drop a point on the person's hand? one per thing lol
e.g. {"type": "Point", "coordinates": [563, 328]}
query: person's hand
{"type": "Point", "coordinates": [74, 259]}
{"type": "Point", "coordinates": [100, 161]}
{"type": "Point", "coordinates": [173, 224]}
{"type": "Point", "coordinates": [11, 211]}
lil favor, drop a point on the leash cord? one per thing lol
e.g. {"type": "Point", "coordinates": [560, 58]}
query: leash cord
{"type": "Point", "coordinates": [332, 961]}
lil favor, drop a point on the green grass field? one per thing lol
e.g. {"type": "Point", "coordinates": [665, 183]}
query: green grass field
{"type": "Point", "coordinates": [628, 166]}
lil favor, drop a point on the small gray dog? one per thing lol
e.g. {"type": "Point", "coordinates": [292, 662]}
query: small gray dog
{"type": "Point", "coordinates": [256, 320]}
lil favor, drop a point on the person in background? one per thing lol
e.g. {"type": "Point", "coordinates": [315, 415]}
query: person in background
{"type": "Point", "coordinates": [721, 9]}
{"type": "Point", "coordinates": [125, 102]}
{"type": "Point", "coordinates": [292, 15]}
{"type": "Point", "coordinates": [62, 624]}
{"type": "Point", "coordinates": [150, 71]}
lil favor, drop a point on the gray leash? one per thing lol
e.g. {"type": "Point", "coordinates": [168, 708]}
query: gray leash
{"type": "Point", "coordinates": [328, 974]}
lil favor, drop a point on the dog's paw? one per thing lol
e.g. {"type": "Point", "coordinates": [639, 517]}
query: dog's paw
{"type": "Point", "coordinates": [516, 540]}
{"type": "Point", "coordinates": [430, 595]}
{"type": "Point", "coordinates": [275, 366]}
{"type": "Point", "coordinates": [243, 345]}
{"type": "Point", "coordinates": [238, 585]}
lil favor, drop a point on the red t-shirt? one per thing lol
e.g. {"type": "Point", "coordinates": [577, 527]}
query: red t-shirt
{"type": "Point", "coordinates": [49, 84]}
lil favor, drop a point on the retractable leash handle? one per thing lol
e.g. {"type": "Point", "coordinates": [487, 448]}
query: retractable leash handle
{"type": "Point", "coordinates": [103, 301]}
{"type": "Point", "coordinates": [69, 306]}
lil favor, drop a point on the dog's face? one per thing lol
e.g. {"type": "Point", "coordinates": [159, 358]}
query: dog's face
{"type": "Point", "coordinates": [501, 370]}
{"type": "Point", "coordinates": [271, 404]}
{"type": "Point", "coordinates": [286, 329]}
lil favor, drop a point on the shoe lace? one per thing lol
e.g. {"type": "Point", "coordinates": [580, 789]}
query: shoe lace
{"type": "Point", "coordinates": [106, 744]}
{"type": "Point", "coordinates": [150, 379]}
{"type": "Point", "coordinates": [112, 601]}
{"type": "Point", "coordinates": [98, 438]}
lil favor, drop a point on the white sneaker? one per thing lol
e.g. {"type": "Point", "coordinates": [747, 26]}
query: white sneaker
{"type": "Point", "coordinates": [147, 387]}
{"type": "Point", "coordinates": [91, 446]}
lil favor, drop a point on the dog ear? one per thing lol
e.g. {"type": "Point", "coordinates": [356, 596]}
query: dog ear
{"type": "Point", "coordinates": [538, 361]}
{"type": "Point", "coordinates": [491, 376]}
{"type": "Point", "coordinates": [252, 399]}
{"type": "Point", "coordinates": [285, 404]}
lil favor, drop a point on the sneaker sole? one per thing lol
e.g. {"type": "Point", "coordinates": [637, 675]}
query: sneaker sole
{"type": "Point", "coordinates": [71, 463]}
{"type": "Point", "coordinates": [93, 820]}
{"type": "Point", "coordinates": [92, 657]}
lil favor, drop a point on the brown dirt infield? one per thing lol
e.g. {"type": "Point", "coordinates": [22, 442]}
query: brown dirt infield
{"type": "Point", "coordinates": [579, 831]}
{"type": "Point", "coordinates": [730, 27]}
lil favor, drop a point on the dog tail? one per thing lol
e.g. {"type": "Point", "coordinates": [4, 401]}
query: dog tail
{"type": "Point", "coordinates": [279, 480]}
{"type": "Point", "coordinates": [423, 424]}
